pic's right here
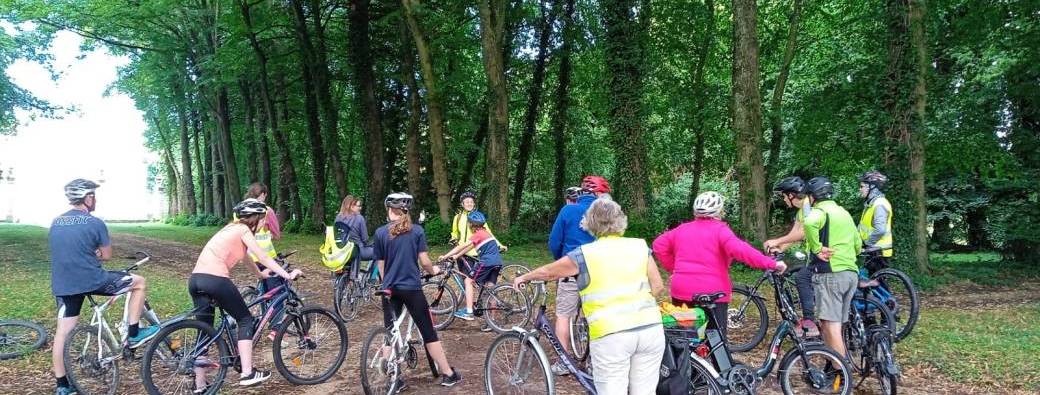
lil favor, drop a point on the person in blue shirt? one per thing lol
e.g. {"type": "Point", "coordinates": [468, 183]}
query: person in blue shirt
{"type": "Point", "coordinates": [78, 243]}
{"type": "Point", "coordinates": [566, 235]}
{"type": "Point", "coordinates": [488, 263]}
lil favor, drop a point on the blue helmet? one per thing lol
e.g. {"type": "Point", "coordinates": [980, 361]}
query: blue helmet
{"type": "Point", "coordinates": [477, 218]}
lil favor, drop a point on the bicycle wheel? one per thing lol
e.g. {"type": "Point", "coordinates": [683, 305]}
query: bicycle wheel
{"type": "Point", "coordinates": [817, 371]}
{"type": "Point", "coordinates": [897, 292]}
{"type": "Point", "coordinates": [580, 336]}
{"type": "Point", "coordinates": [506, 307]}
{"type": "Point", "coordinates": [249, 294]}
{"type": "Point", "coordinates": [701, 380]}
{"type": "Point", "coordinates": [310, 346]}
{"type": "Point", "coordinates": [379, 363]}
{"type": "Point", "coordinates": [91, 363]}
{"type": "Point", "coordinates": [747, 320]}
{"type": "Point", "coordinates": [179, 355]}
{"type": "Point", "coordinates": [18, 338]}
{"type": "Point", "coordinates": [346, 299]}
{"type": "Point", "coordinates": [884, 360]}
{"type": "Point", "coordinates": [513, 366]}
{"type": "Point", "coordinates": [442, 301]}
{"type": "Point", "coordinates": [874, 312]}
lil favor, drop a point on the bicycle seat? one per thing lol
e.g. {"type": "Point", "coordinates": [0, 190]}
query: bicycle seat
{"type": "Point", "coordinates": [708, 298]}
{"type": "Point", "coordinates": [383, 292]}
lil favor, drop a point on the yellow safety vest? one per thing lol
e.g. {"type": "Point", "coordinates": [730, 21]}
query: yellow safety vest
{"type": "Point", "coordinates": [617, 296]}
{"type": "Point", "coordinates": [866, 226]}
{"type": "Point", "coordinates": [263, 240]}
{"type": "Point", "coordinates": [460, 231]}
{"type": "Point", "coordinates": [333, 256]}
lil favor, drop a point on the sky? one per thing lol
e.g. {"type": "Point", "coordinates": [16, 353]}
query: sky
{"type": "Point", "coordinates": [103, 140]}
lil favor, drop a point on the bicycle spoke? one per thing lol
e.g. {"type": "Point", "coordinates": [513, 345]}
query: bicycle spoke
{"type": "Point", "coordinates": [311, 348]}
{"type": "Point", "coordinates": [91, 364]}
{"type": "Point", "coordinates": [513, 367]}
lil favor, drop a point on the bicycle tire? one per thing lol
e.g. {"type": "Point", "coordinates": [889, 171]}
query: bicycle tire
{"type": "Point", "coordinates": [512, 308]}
{"type": "Point", "coordinates": [14, 344]}
{"type": "Point", "coordinates": [84, 380]}
{"type": "Point", "coordinates": [498, 352]}
{"type": "Point", "coordinates": [579, 335]}
{"type": "Point", "coordinates": [747, 316]}
{"type": "Point", "coordinates": [793, 356]}
{"type": "Point", "coordinates": [346, 302]}
{"type": "Point", "coordinates": [701, 380]}
{"type": "Point", "coordinates": [888, 378]}
{"type": "Point", "coordinates": [378, 337]}
{"type": "Point", "coordinates": [903, 329]}
{"type": "Point", "coordinates": [442, 301]}
{"type": "Point", "coordinates": [310, 334]}
{"type": "Point", "coordinates": [178, 358]}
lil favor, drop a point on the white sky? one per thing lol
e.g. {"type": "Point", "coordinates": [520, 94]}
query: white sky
{"type": "Point", "coordinates": [102, 139]}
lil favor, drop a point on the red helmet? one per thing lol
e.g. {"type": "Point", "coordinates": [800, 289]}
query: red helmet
{"type": "Point", "coordinates": [595, 184]}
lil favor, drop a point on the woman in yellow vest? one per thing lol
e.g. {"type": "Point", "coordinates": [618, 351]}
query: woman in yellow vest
{"type": "Point", "coordinates": [617, 281]}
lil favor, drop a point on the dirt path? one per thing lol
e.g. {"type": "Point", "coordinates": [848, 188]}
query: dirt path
{"type": "Point", "coordinates": [465, 344]}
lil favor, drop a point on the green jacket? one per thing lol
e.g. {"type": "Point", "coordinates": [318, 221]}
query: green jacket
{"type": "Point", "coordinates": [842, 234]}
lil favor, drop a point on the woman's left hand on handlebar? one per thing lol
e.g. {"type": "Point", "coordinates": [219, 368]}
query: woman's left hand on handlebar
{"type": "Point", "coordinates": [780, 267]}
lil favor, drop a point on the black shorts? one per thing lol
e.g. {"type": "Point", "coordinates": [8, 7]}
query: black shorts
{"type": "Point", "coordinates": [486, 274]}
{"type": "Point", "coordinates": [116, 283]}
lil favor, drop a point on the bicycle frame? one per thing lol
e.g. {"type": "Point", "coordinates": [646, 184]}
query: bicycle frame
{"type": "Point", "coordinates": [104, 331]}
{"type": "Point", "coordinates": [400, 343]}
{"type": "Point", "coordinates": [274, 297]}
{"type": "Point", "coordinates": [543, 327]}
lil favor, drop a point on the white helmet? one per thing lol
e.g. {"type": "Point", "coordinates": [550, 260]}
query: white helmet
{"type": "Point", "coordinates": [708, 204]}
{"type": "Point", "coordinates": [78, 189]}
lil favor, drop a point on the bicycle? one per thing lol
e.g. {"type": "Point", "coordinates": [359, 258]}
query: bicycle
{"type": "Point", "coordinates": [517, 363]}
{"type": "Point", "coordinates": [502, 307]}
{"type": "Point", "coordinates": [896, 290]}
{"type": "Point", "coordinates": [18, 338]}
{"type": "Point", "coordinates": [868, 338]}
{"type": "Point", "coordinates": [352, 289]}
{"type": "Point", "coordinates": [92, 352]}
{"type": "Point", "coordinates": [305, 335]}
{"type": "Point", "coordinates": [580, 335]}
{"type": "Point", "coordinates": [386, 349]}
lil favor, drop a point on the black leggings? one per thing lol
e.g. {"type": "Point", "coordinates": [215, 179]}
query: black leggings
{"type": "Point", "coordinates": [720, 311]}
{"type": "Point", "coordinates": [418, 308]}
{"type": "Point", "coordinates": [206, 287]}
{"type": "Point", "coordinates": [806, 297]}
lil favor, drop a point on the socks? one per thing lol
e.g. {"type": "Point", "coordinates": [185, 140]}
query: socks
{"type": "Point", "coordinates": [63, 381]}
{"type": "Point", "coordinates": [132, 330]}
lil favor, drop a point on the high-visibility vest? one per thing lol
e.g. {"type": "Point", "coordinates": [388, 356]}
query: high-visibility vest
{"type": "Point", "coordinates": [866, 226]}
{"type": "Point", "coordinates": [460, 231]}
{"type": "Point", "coordinates": [617, 294]}
{"type": "Point", "coordinates": [263, 240]}
{"type": "Point", "coordinates": [333, 256]}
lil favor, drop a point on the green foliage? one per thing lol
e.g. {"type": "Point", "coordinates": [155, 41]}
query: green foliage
{"type": "Point", "coordinates": [437, 231]}
{"type": "Point", "coordinates": [292, 226]}
{"type": "Point", "coordinates": [206, 220]}
{"type": "Point", "coordinates": [1013, 220]}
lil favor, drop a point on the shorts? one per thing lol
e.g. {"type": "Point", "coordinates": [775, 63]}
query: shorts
{"type": "Point", "coordinates": [116, 283]}
{"type": "Point", "coordinates": [487, 275]}
{"type": "Point", "coordinates": [567, 298]}
{"type": "Point", "coordinates": [833, 293]}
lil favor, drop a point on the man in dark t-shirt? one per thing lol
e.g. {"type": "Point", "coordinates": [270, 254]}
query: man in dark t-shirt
{"type": "Point", "coordinates": [78, 243]}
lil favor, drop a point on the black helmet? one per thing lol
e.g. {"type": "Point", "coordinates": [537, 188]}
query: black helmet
{"type": "Point", "coordinates": [572, 193]}
{"type": "Point", "coordinates": [820, 188]}
{"type": "Point", "coordinates": [874, 178]}
{"type": "Point", "coordinates": [398, 200]}
{"type": "Point", "coordinates": [467, 194]}
{"type": "Point", "coordinates": [78, 189]}
{"type": "Point", "coordinates": [250, 207]}
{"type": "Point", "coordinates": [793, 184]}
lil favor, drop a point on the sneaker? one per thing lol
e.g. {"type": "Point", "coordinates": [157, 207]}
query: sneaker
{"type": "Point", "coordinates": [202, 390]}
{"type": "Point", "coordinates": [464, 314]}
{"type": "Point", "coordinates": [450, 381]}
{"type": "Point", "coordinates": [560, 370]}
{"type": "Point", "coordinates": [257, 377]}
{"type": "Point", "coordinates": [65, 391]}
{"type": "Point", "coordinates": [398, 387]}
{"type": "Point", "coordinates": [485, 327]}
{"type": "Point", "coordinates": [143, 335]}
{"type": "Point", "coordinates": [808, 328]}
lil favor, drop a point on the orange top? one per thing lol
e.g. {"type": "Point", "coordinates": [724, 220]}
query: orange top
{"type": "Point", "coordinates": [224, 250]}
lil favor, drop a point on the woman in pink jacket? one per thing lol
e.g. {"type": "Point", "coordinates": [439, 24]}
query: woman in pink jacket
{"type": "Point", "coordinates": [698, 254]}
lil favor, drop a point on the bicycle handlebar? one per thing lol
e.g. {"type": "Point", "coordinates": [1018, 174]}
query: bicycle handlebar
{"type": "Point", "coordinates": [145, 258]}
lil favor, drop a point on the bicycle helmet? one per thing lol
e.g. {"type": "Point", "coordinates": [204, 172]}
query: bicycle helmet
{"type": "Point", "coordinates": [793, 184]}
{"type": "Point", "coordinates": [708, 204]}
{"type": "Point", "coordinates": [572, 193]}
{"type": "Point", "coordinates": [874, 178]}
{"type": "Point", "coordinates": [595, 184]}
{"type": "Point", "coordinates": [820, 188]}
{"type": "Point", "coordinates": [78, 189]}
{"type": "Point", "coordinates": [250, 207]}
{"type": "Point", "coordinates": [476, 218]}
{"type": "Point", "coordinates": [467, 194]}
{"type": "Point", "coordinates": [398, 200]}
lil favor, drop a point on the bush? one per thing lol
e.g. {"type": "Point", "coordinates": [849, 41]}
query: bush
{"type": "Point", "coordinates": [437, 231]}
{"type": "Point", "coordinates": [291, 226]}
{"type": "Point", "coordinates": [206, 220]}
{"type": "Point", "coordinates": [181, 220]}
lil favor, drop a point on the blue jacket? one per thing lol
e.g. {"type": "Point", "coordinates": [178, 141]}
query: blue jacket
{"type": "Point", "coordinates": [567, 233]}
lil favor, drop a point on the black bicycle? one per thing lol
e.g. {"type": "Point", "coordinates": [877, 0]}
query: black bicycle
{"type": "Point", "coordinates": [353, 289]}
{"type": "Point", "coordinates": [19, 337]}
{"type": "Point", "coordinates": [502, 306]}
{"type": "Point", "coordinates": [309, 346]}
{"type": "Point", "coordinates": [893, 288]}
{"type": "Point", "coordinates": [870, 343]}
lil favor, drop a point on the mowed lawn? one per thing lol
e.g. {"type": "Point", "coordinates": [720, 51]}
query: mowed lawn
{"type": "Point", "coordinates": [994, 346]}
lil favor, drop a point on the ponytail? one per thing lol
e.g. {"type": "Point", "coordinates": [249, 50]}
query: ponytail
{"type": "Point", "coordinates": [402, 225]}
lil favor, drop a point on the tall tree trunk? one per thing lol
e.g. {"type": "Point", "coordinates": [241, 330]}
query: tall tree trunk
{"type": "Point", "coordinates": [433, 112]}
{"type": "Point", "coordinates": [561, 106]}
{"type": "Point", "coordinates": [479, 137]}
{"type": "Point", "coordinates": [414, 118]}
{"type": "Point", "coordinates": [625, 57]}
{"type": "Point", "coordinates": [776, 102]}
{"type": "Point", "coordinates": [492, 31]}
{"type": "Point", "coordinates": [218, 191]}
{"type": "Point", "coordinates": [547, 20]}
{"type": "Point", "coordinates": [227, 149]}
{"type": "Point", "coordinates": [204, 180]}
{"type": "Point", "coordinates": [288, 189]}
{"type": "Point", "coordinates": [330, 112]}
{"type": "Point", "coordinates": [747, 119]}
{"type": "Point", "coordinates": [916, 140]}
{"type": "Point", "coordinates": [250, 139]}
{"type": "Point", "coordinates": [706, 51]}
{"type": "Point", "coordinates": [317, 151]}
{"type": "Point", "coordinates": [188, 204]}
{"type": "Point", "coordinates": [283, 100]}
{"type": "Point", "coordinates": [171, 170]}
{"type": "Point", "coordinates": [365, 93]}
{"type": "Point", "coordinates": [265, 149]}
{"type": "Point", "coordinates": [977, 234]}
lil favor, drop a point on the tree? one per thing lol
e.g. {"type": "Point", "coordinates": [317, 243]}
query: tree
{"type": "Point", "coordinates": [492, 32]}
{"type": "Point", "coordinates": [747, 119]}
{"type": "Point", "coordinates": [365, 94]}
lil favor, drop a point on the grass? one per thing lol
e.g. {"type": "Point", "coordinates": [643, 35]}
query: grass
{"type": "Point", "coordinates": [982, 268]}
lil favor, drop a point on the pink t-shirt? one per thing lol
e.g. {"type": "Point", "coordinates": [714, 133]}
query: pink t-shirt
{"type": "Point", "coordinates": [698, 254]}
{"type": "Point", "coordinates": [223, 251]}
{"type": "Point", "coordinates": [271, 219]}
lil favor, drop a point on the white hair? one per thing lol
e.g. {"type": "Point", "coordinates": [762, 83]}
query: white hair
{"type": "Point", "coordinates": [604, 217]}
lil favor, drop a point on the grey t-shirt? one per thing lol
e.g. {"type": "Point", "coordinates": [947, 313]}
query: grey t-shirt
{"type": "Point", "coordinates": [358, 228]}
{"type": "Point", "coordinates": [73, 238]}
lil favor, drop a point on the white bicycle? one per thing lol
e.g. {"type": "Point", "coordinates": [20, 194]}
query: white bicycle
{"type": "Point", "coordinates": [388, 351]}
